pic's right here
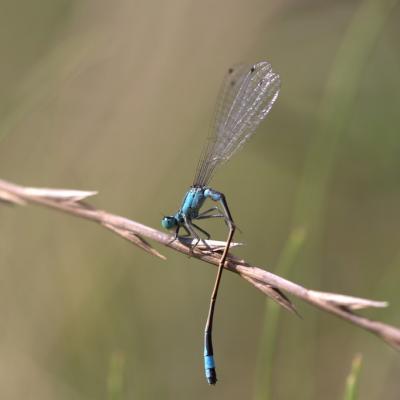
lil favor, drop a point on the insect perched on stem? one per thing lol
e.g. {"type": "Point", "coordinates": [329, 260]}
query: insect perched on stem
{"type": "Point", "coordinates": [246, 97]}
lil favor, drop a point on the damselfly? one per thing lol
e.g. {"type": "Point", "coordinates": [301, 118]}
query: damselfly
{"type": "Point", "coordinates": [246, 97]}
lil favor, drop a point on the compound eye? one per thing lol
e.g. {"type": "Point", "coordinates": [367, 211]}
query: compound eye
{"type": "Point", "coordinates": [168, 222]}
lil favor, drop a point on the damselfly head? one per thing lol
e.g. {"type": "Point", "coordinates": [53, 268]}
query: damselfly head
{"type": "Point", "coordinates": [169, 222]}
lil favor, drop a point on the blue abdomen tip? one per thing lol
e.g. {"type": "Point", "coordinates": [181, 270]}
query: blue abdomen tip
{"type": "Point", "coordinates": [209, 367]}
{"type": "Point", "coordinates": [209, 362]}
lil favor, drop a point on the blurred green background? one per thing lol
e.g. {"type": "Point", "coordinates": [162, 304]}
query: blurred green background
{"type": "Point", "coordinates": [117, 97]}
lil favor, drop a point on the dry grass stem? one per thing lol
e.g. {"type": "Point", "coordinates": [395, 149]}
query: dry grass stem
{"type": "Point", "coordinates": [274, 286]}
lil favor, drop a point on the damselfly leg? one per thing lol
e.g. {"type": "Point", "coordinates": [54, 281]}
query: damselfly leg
{"type": "Point", "coordinates": [191, 227]}
{"type": "Point", "coordinates": [206, 214]}
{"type": "Point", "coordinates": [205, 233]}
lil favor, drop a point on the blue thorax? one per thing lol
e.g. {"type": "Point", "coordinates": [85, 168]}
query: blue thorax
{"type": "Point", "coordinates": [191, 203]}
{"type": "Point", "coordinates": [190, 207]}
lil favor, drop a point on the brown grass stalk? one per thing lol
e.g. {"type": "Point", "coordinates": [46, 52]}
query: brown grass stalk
{"type": "Point", "coordinates": [73, 202]}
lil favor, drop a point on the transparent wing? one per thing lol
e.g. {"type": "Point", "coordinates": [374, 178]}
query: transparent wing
{"type": "Point", "coordinates": [246, 97]}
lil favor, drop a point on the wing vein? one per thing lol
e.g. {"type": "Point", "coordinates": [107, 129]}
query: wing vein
{"type": "Point", "coordinates": [246, 97]}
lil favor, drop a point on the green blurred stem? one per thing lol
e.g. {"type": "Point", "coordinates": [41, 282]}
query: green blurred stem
{"type": "Point", "coordinates": [269, 336]}
{"type": "Point", "coordinates": [336, 108]}
{"type": "Point", "coordinates": [351, 391]}
{"type": "Point", "coordinates": [115, 376]}
{"type": "Point", "coordinates": [335, 111]}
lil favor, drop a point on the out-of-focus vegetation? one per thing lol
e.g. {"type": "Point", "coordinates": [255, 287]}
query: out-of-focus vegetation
{"type": "Point", "coordinates": [117, 97]}
{"type": "Point", "coordinates": [351, 391]}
